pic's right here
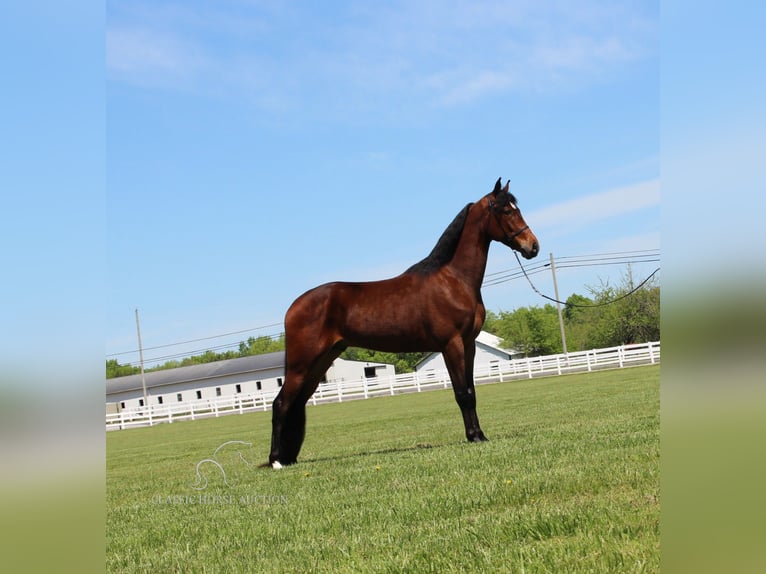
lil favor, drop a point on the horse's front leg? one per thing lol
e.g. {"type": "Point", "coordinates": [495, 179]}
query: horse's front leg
{"type": "Point", "coordinates": [459, 356]}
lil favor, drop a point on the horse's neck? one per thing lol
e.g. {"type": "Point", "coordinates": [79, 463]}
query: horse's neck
{"type": "Point", "coordinates": [470, 259]}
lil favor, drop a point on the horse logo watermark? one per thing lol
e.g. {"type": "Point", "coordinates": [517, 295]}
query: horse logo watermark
{"type": "Point", "coordinates": [217, 465]}
{"type": "Point", "coordinates": [223, 465]}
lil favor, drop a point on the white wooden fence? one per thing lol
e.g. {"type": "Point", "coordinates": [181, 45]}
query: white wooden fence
{"type": "Point", "coordinates": [502, 371]}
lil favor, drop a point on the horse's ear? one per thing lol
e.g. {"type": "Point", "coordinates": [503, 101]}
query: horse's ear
{"type": "Point", "coordinates": [497, 189]}
{"type": "Point", "coordinates": [507, 186]}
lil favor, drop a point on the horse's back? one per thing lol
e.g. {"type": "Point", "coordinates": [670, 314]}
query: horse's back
{"type": "Point", "coordinates": [383, 315]}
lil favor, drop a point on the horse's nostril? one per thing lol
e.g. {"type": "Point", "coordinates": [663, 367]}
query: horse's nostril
{"type": "Point", "coordinates": [535, 247]}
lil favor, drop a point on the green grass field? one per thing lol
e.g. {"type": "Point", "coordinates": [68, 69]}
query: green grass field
{"type": "Point", "coordinates": [569, 482]}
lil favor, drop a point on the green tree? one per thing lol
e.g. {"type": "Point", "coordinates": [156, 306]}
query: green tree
{"type": "Point", "coordinates": [115, 369]}
{"type": "Point", "coordinates": [576, 308]}
{"type": "Point", "coordinates": [632, 319]}
{"type": "Point", "coordinates": [622, 316]}
{"type": "Point", "coordinates": [491, 323]}
{"type": "Point", "coordinates": [578, 322]}
{"type": "Point", "coordinates": [531, 330]}
{"type": "Point", "coordinates": [261, 345]}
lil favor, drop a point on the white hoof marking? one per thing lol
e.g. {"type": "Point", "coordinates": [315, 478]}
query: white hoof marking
{"type": "Point", "coordinates": [276, 465]}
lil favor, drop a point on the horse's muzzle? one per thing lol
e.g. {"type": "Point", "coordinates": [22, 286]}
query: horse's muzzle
{"type": "Point", "coordinates": [531, 252]}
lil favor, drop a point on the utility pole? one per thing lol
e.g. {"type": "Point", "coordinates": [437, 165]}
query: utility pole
{"type": "Point", "coordinates": [141, 356]}
{"type": "Point", "coordinates": [558, 305]}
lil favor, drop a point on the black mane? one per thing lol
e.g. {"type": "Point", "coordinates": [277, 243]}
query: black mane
{"type": "Point", "coordinates": [442, 253]}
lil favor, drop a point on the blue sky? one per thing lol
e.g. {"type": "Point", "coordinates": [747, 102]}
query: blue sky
{"type": "Point", "coordinates": [165, 179]}
{"type": "Point", "coordinates": [52, 173]}
{"type": "Point", "coordinates": [255, 150]}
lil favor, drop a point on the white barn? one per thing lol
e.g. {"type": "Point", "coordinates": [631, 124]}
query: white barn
{"type": "Point", "coordinates": [245, 375]}
{"type": "Point", "coordinates": [488, 353]}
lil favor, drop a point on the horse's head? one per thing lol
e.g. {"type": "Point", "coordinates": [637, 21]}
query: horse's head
{"type": "Point", "coordinates": [507, 225]}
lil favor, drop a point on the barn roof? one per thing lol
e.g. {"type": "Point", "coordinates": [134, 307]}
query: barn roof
{"type": "Point", "coordinates": [199, 372]}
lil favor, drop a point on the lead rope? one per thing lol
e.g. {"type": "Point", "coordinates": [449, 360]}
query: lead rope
{"type": "Point", "coordinates": [536, 290]}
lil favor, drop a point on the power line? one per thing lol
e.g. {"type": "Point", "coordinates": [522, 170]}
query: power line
{"type": "Point", "coordinates": [608, 263]}
{"type": "Point", "coordinates": [617, 253]}
{"type": "Point", "coordinates": [540, 266]}
{"type": "Point", "coordinates": [620, 255]}
{"type": "Point", "coordinates": [190, 353]}
{"type": "Point", "coordinates": [195, 340]}
{"type": "Point", "coordinates": [573, 261]}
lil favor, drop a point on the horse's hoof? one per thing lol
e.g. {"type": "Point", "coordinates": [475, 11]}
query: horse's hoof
{"type": "Point", "coordinates": [276, 465]}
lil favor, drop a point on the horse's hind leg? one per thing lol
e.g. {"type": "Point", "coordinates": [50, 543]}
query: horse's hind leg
{"type": "Point", "coordinates": [288, 416]}
{"type": "Point", "coordinates": [288, 420]}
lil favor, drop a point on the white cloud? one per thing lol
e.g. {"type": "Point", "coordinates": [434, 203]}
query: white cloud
{"type": "Point", "coordinates": [141, 55]}
{"type": "Point", "coordinates": [577, 52]}
{"type": "Point", "coordinates": [415, 52]}
{"type": "Point", "coordinates": [588, 209]}
{"type": "Point", "coordinates": [458, 88]}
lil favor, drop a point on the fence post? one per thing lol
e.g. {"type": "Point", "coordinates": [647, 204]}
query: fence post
{"type": "Point", "coordinates": [620, 352]}
{"type": "Point", "coordinates": [529, 367]}
{"type": "Point", "coordinates": [651, 352]}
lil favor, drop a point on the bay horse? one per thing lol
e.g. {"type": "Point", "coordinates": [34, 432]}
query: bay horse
{"type": "Point", "coordinates": [435, 305]}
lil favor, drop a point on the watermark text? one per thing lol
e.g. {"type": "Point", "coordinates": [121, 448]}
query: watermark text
{"type": "Point", "coordinates": [219, 499]}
